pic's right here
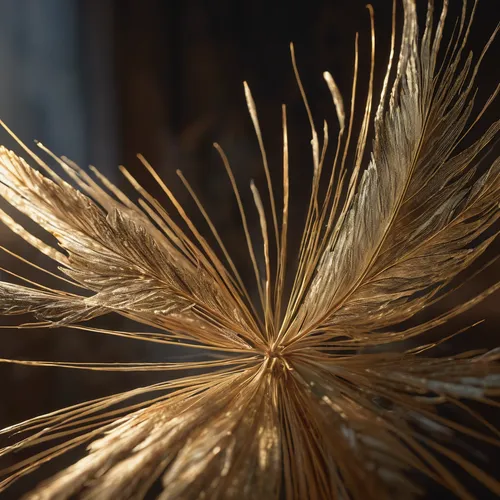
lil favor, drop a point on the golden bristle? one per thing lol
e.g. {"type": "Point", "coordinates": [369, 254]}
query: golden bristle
{"type": "Point", "coordinates": [316, 393]}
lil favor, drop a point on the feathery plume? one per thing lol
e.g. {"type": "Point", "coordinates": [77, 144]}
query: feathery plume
{"type": "Point", "coordinates": [317, 393]}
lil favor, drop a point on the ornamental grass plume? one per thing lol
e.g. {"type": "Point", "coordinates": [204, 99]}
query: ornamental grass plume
{"type": "Point", "coordinates": [325, 390]}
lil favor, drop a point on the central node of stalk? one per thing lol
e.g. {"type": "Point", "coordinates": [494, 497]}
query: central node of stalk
{"type": "Point", "coordinates": [276, 363]}
{"type": "Point", "coordinates": [274, 352]}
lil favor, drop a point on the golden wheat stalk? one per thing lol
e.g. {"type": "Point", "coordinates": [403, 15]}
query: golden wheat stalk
{"type": "Point", "coordinates": [300, 404]}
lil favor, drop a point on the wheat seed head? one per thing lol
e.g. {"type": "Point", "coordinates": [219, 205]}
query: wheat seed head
{"type": "Point", "coordinates": [323, 390]}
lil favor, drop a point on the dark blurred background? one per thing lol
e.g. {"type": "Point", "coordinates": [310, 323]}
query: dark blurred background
{"type": "Point", "coordinates": [100, 81]}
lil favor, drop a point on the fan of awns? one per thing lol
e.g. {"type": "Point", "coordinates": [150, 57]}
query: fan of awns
{"type": "Point", "coordinates": [322, 389]}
